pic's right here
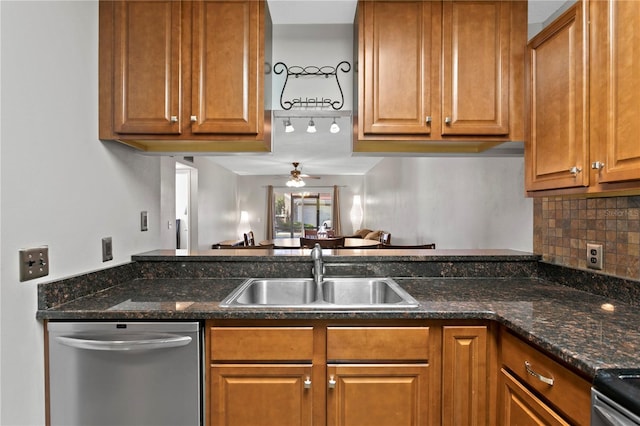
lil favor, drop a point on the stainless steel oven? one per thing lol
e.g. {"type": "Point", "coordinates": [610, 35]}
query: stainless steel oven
{"type": "Point", "coordinates": [125, 373]}
{"type": "Point", "coordinates": [615, 398]}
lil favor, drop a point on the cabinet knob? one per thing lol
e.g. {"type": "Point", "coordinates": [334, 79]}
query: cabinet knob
{"type": "Point", "coordinates": [447, 120]}
{"type": "Point", "coordinates": [194, 118]}
{"type": "Point", "coordinates": [597, 165]}
{"type": "Point", "coordinates": [575, 170]}
{"type": "Point", "coordinates": [428, 119]}
{"type": "Point", "coordinates": [174, 119]}
{"type": "Point", "coordinates": [307, 383]}
{"type": "Point", "coordinates": [332, 383]}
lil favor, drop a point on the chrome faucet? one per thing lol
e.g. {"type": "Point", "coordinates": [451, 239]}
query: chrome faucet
{"type": "Point", "coordinates": [318, 270]}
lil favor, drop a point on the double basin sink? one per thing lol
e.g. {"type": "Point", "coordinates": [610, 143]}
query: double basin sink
{"type": "Point", "coordinates": [331, 293]}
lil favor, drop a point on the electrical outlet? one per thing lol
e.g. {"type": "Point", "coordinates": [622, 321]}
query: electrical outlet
{"type": "Point", "coordinates": [144, 221]}
{"type": "Point", "coordinates": [107, 249]}
{"type": "Point", "coordinates": [594, 256]}
{"type": "Point", "coordinates": [34, 263]}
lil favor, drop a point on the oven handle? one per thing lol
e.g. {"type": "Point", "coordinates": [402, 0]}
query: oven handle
{"type": "Point", "coordinates": [150, 342]}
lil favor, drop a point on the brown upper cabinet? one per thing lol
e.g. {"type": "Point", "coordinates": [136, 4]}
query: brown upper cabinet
{"type": "Point", "coordinates": [583, 129]}
{"type": "Point", "coordinates": [434, 72]}
{"type": "Point", "coordinates": [184, 75]}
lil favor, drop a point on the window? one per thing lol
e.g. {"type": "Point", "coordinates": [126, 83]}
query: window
{"type": "Point", "coordinates": [298, 210]}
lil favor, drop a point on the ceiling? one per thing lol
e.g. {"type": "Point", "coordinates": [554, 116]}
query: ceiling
{"type": "Point", "coordinates": [323, 153]}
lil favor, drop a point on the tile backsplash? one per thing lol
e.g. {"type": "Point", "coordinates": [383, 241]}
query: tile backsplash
{"type": "Point", "coordinates": [563, 226]}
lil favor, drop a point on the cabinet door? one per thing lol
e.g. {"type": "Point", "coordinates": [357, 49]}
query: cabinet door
{"type": "Point", "coordinates": [396, 67]}
{"type": "Point", "coordinates": [520, 407]}
{"type": "Point", "coordinates": [146, 57]}
{"type": "Point", "coordinates": [378, 395]}
{"type": "Point", "coordinates": [227, 95]}
{"type": "Point", "coordinates": [465, 387]}
{"type": "Point", "coordinates": [242, 395]}
{"type": "Point", "coordinates": [557, 150]}
{"type": "Point", "coordinates": [615, 88]}
{"type": "Point", "coordinates": [476, 50]}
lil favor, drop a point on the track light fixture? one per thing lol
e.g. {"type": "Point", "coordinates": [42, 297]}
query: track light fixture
{"type": "Point", "coordinates": [311, 128]}
{"type": "Point", "coordinates": [288, 127]}
{"type": "Point", "coordinates": [334, 127]}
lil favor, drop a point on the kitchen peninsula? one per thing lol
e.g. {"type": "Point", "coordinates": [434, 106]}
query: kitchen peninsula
{"type": "Point", "coordinates": [509, 293]}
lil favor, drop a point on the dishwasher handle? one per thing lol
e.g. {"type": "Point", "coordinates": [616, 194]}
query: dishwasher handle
{"type": "Point", "coordinates": [143, 342]}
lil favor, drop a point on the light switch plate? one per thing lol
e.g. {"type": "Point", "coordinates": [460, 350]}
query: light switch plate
{"type": "Point", "coordinates": [594, 256]}
{"type": "Point", "coordinates": [107, 249]}
{"type": "Point", "coordinates": [34, 263]}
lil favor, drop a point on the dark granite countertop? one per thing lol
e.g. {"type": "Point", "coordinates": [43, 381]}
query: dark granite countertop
{"type": "Point", "coordinates": [568, 323]}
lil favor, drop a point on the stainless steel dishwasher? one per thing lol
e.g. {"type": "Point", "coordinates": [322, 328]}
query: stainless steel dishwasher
{"type": "Point", "coordinates": [125, 373]}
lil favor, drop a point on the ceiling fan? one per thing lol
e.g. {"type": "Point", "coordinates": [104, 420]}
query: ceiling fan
{"type": "Point", "coordinates": [295, 178]}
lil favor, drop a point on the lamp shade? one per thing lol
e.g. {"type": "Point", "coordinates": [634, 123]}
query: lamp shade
{"type": "Point", "coordinates": [356, 213]}
{"type": "Point", "coordinates": [244, 226]}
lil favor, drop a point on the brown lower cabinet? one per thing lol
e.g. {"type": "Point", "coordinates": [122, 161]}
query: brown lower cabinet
{"type": "Point", "coordinates": [395, 372]}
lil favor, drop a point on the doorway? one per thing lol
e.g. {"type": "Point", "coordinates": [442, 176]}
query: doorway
{"type": "Point", "coordinates": [186, 206]}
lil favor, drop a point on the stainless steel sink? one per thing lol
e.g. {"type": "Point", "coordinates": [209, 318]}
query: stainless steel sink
{"type": "Point", "coordinates": [337, 293]}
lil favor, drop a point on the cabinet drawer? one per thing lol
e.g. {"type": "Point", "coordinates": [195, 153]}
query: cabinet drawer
{"type": "Point", "coordinates": [261, 343]}
{"type": "Point", "coordinates": [378, 343]}
{"type": "Point", "coordinates": [520, 406]}
{"type": "Point", "coordinates": [569, 393]}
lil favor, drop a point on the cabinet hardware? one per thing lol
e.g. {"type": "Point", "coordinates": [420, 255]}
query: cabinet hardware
{"type": "Point", "coordinates": [597, 165]}
{"type": "Point", "coordinates": [307, 383]}
{"type": "Point", "coordinates": [447, 120]}
{"type": "Point", "coordinates": [543, 379]}
{"type": "Point", "coordinates": [332, 383]}
{"type": "Point", "coordinates": [174, 119]}
{"type": "Point", "coordinates": [194, 118]}
{"type": "Point", "coordinates": [428, 119]}
{"type": "Point", "coordinates": [575, 170]}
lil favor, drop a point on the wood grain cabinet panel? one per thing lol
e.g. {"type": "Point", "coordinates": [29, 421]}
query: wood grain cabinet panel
{"type": "Point", "coordinates": [397, 41]}
{"type": "Point", "coordinates": [584, 109]}
{"type": "Point", "coordinates": [226, 90]}
{"type": "Point", "coordinates": [147, 43]}
{"type": "Point", "coordinates": [615, 86]}
{"type": "Point", "coordinates": [243, 395]}
{"type": "Point", "coordinates": [378, 395]}
{"type": "Point", "coordinates": [560, 388]}
{"type": "Point", "coordinates": [465, 384]}
{"type": "Point", "coordinates": [557, 151]}
{"type": "Point", "coordinates": [522, 408]}
{"type": "Point", "coordinates": [476, 53]}
{"type": "Point", "coordinates": [440, 72]}
{"type": "Point", "coordinates": [184, 76]}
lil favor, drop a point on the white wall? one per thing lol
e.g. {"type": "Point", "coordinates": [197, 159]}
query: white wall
{"type": "Point", "coordinates": [60, 186]}
{"type": "Point", "coordinates": [218, 213]}
{"type": "Point", "coordinates": [252, 197]}
{"type": "Point", "coordinates": [457, 203]}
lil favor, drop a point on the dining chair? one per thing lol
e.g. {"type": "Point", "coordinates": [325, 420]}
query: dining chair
{"type": "Point", "coordinates": [311, 233]}
{"type": "Point", "coordinates": [385, 238]}
{"type": "Point", "coordinates": [400, 247]}
{"type": "Point", "coordinates": [324, 242]}
{"type": "Point", "coordinates": [249, 239]}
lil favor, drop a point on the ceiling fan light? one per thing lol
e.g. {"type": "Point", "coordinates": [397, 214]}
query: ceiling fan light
{"type": "Point", "coordinates": [295, 183]}
{"type": "Point", "coordinates": [288, 127]}
{"type": "Point", "coordinates": [312, 127]}
{"type": "Point", "coordinates": [334, 127]}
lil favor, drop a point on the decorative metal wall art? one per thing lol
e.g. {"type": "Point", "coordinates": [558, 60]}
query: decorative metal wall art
{"type": "Point", "coordinates": [312, 71]}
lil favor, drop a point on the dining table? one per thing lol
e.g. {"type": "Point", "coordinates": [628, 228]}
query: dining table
{"type": "Point", "coordinates": [291, 243]}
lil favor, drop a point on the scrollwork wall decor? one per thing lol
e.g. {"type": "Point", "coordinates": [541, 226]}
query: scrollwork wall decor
{"type": "Point", "coordinates": [312, 71]}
